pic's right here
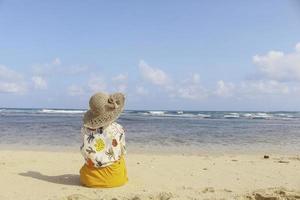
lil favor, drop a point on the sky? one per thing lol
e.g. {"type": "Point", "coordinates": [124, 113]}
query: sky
{"type": "Point", "coordinates": [178, 55]}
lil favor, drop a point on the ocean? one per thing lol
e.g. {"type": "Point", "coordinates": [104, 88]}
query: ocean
{"type": "Point", "coordinates": [167, 131]}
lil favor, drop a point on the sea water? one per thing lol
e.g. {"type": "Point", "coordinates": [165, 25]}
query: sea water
{"type": "Point", "coordinates": [180, 131]}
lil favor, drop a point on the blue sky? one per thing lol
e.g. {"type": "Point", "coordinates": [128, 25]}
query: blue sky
{"type": "Point", "coordinates": [195, 55]}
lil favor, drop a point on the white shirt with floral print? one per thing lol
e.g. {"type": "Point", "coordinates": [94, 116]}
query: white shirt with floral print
{"type": "Point", "coordinates": [101, 147]}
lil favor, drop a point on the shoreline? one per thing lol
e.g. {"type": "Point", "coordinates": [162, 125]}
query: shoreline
{"type": "Point", "coordinates": [55, 176]}
{"type": "Point", "coordinates": [214, 150]}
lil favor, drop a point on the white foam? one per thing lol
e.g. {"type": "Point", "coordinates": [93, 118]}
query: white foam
{"type": "Point", "coordinates": [261, 116]}
{"type": "Point", "coordinates": [232, 115]}
{"type": "Point", "coordinates": [248, 115]}
{"type": "Point", "coordinates": [186, 115]}
{"type": "Point", "coordinates": [157, 112]}
{"type": "Point", "coordinates": [284, 115]}
{"type": "Point", "coordinates": [165, 114]}
{"type": "Point", "coordinates": [62, 111]}
{"type": "Point", "coordinates": [203, 115]}
{"type": "Point", "coordinates": [143, 113]}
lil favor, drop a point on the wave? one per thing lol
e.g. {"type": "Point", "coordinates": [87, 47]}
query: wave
{"type": "Point", "coordinates": [164, 113]}
{"type": "Point", "coordinates": [232, 116]}
{"type": "Point", "coordinates": [262, 116]}
{"type": "Point", "coordinates": [203, 115]}
{"type": "Point", "coordinates": [216, 114]}
{"type": "Point", "coordinates": [284, 115]}
{"type": "Point", "coordinates": [173, 114]}
{"type": "Point", "coordinates": [199, 115]}
{"type": "Point", "coordinates": [156, 112]}
{"type": "Point", "coordinates": [186, 115]}
{"type": "Point", "coordinates": [62, 111]}
{"type": "Point", "coordinates": [248, 115]}
{"type": "Point", "coordinates": [13, 110]}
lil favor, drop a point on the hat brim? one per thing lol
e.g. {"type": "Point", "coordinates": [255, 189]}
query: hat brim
{"type": "Point", "coordinates": [94, 121]}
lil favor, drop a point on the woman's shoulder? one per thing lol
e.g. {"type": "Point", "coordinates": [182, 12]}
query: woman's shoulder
{"type": "Point", "coordinates": [88, 131]}
{"type": "Point", "coordinates": [117, 127]}
{"type": "Point", "coordinates": [113, 127]}
{"type": "Point", "coordinates": [115, 124]}
{"type": "Point", "coordinates": [84, 130]}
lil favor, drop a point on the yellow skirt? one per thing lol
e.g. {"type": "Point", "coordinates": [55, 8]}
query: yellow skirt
{"type": "Point", "coordinates": [113, 175]}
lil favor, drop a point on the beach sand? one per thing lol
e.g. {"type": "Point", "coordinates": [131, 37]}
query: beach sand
{"type": "Point", "coordinates": [38, 175]}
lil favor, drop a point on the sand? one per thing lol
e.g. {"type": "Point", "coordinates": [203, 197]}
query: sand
{"type": "Point", "coordinates": [38, 175]}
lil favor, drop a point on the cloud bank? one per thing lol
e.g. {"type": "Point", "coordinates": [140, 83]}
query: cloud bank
{"type": "Point", "coordinates": [277, 65]}
{"type": "Point", "coordinates": [279, 76]}
{"type": "Point", "coordinates": [11, 81]}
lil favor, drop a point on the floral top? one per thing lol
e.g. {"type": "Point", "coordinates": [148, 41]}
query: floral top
{"type": "Point", "coordinates": [101, 147]}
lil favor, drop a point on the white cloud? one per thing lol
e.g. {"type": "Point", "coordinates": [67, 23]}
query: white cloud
{"type": "Point", "coordinates": [11, 81]}
{"type": "Point", "coordinates": [224, 89]}
{"type": "Point", "coordinates": [281, 75]}
{"type": "Point", "coordinates": [295, 89]}
{"type": "Point", "coordinates": [56, 61]}
{"type": "Point", "coordinates": [75, 69]}
{"type": "Point", "coordinates": [96, 84]}
{"type": "Point", "coordinates": [75, 90]}
{"type": "Point", "coordinates": [195, 78]}
{"type": "Point", "coordinates": [187, 89]}
{"type": "Point", "coordinates": [10, 87]}
{"type": "Point", "coordinates": [120, 82]}
{"type": "Point", "coordinates": [47, 69]}
{"type": "Point", "coordinates": [140, 90]}
{"type": "Point", "coordinates": [251, 89]}
{"type": "Point", "coordinates": [192, 92]}
{"type": "Point", "coordinates": [39, 82]}
{"type": "Point", "coordinates": [276, 65]}
{"type": "Point", "coordinates": [298, 47]}
{"type": "Point", "coordinates": [55, 68]}
{"type": "Point", "coordinates": [120, 77]}
{"type": "Point", "coordinates": [263, 87]}
{"type": "Point", "coordinates": [153, 75]}
{"type": "Point", "coordinates": [121, 87]}
{"type": "Point", "coordinates": [8, 74]}
{"type": "Point", "coordinates": [191, 89]}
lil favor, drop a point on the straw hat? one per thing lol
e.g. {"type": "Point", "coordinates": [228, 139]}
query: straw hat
{"type": "Point", "coordinates": [104, 109]}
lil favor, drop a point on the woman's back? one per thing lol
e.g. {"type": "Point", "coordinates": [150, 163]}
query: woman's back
{"type": "Point", "coordinates": [101, 147]}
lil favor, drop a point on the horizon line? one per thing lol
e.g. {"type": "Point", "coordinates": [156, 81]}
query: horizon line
{"type": "Point", "coordinates": [27, 108]}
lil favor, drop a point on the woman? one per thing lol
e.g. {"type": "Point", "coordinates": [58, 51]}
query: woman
{"type": "Point", "coordinates": [103, 145]}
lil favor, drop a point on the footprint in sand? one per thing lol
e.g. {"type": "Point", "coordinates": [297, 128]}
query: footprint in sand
{"type": "Point", "coordinates": [283, 161]}
{"type": "Point", "coordinates": [77, 197]}
{"type": "Point", "coordinates": [274, 194]}
{"type": "Point", "coordinates": [227, 190]}
{"type": "Point", "coordinates": [160, 196]}
{"type": "Point", "coordinates": [165, 196]}
{"type": "Point", "coordinates": [208, 189]}
{"type": "Point", "coordinates": [294, 158]}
